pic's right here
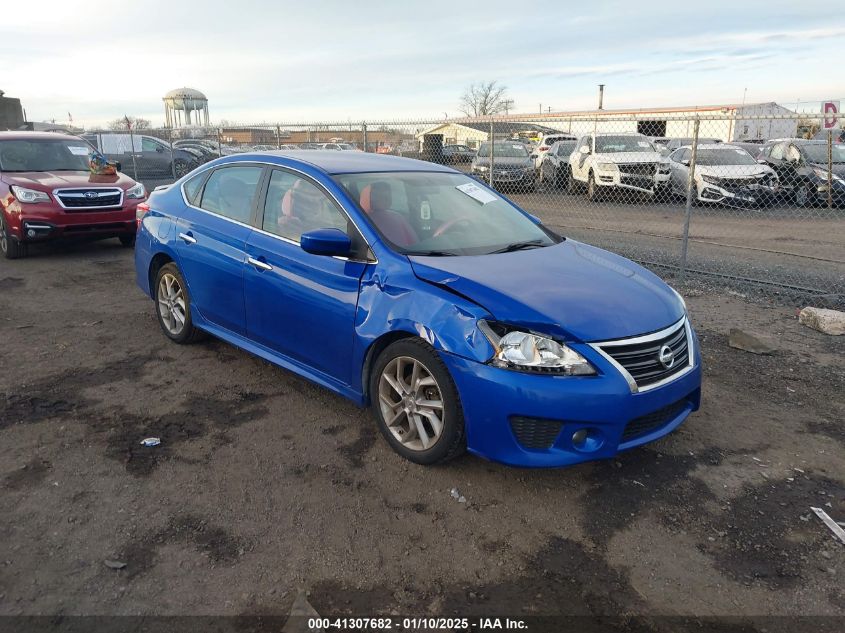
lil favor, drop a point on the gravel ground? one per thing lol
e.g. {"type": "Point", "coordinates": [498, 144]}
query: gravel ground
{"type": "Point", "coordinates": [265, 485]}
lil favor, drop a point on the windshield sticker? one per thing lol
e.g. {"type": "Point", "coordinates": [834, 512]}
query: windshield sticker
{"type": "Point", "coordinates": [642, 143]}
{"type": "Point", "coordinates": [76, 150]}
{"type": "Point", "coordinates": [517, 146]}
{"type": "Point", "coordinates": [740, 151]}
{"type": "Point", "coordinates": [476, 192]}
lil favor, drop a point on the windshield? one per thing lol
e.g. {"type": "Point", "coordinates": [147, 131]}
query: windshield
{"type": "Point", "coordinates": [46, 155]}
{"type": "Point", "coordinates": [441, 214]}
{"type": "Point", "coordinates": [506, 150]}
{"type": "Point", "coordinates": [713, 157]}
{"type": "Point", "coordinates": [618, 144]}
{"type": "Point", "coordinates": [817, 153]}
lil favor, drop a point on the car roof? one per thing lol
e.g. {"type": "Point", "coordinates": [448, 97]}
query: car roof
{"type": "Point", "coordinates": [334, 162]}
{"type": "Point", "coordinates": [36, 136]}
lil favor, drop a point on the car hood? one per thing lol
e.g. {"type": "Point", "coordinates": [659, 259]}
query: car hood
{"type": "Point", "coordinates": [570, 290]}
{"type": "Point", "coordinates": [49, 180]}
{"type": "Point", "coordinates": [732, 171]}
{"type": "Point", "coordinates": [630, 157]}
{"type": "Point", "coordinates": [504, 161]}
{"type": "Point", "coordinates": [836, 168]}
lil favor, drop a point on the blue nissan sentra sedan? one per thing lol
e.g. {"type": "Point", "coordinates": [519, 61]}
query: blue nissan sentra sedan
{"type": "Point", "coordinates": [411, 288]}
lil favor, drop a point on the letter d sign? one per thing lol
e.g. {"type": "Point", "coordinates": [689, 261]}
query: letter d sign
{"type": "Point", "coordinates": [830, 109]}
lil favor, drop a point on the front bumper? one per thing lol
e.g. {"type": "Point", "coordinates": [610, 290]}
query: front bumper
{"type": "Point", "coordinates": [645, 183]}
{"type": "Point", "coordinates": [37, 222]}
{"type": "Point", "coordinates": [602, 406]}
{"type": "Point", "coordinates": [509, 177]}
{"type": "Point", "coordinates": [739, 196]}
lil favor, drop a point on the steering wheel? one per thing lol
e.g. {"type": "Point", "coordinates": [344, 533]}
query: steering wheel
{"type": "Point", "coordinates": [451, 223]}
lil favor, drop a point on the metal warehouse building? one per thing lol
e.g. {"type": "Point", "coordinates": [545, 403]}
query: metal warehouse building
{"type": "Point", "coordinates": [732, 122]}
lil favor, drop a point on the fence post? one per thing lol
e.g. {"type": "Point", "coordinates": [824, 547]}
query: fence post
{"type": "Point", "coordinates": [690, 188]}
{"type": "Point", "coordinates": [172, 161]}
{"type": "Point", "coordinates": [830, 169]}
{"type": "Point", "coordinates": [278, 137]}
{"type": "Point", "coordinates": [364, 134]}
{"type": "Point", "coordinates": [132, 146]}
{"type": "Point", "coordinates": [492, 140]}
{"type": "Point", "coordinates": [219, 143]}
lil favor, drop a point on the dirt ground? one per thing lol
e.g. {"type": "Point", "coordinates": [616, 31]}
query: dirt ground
{"type": "Point", "coordinates": [265, 485]}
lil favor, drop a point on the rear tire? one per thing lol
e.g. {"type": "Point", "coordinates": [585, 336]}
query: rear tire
{"type": "Point", "coordinates": [420, 433]}
{"type": "Point", "coordinates": [173, 306]}
{"type": "Point", "coordinates": [9, 246]}
{"type": "Point", "coordinates": [127, 240]}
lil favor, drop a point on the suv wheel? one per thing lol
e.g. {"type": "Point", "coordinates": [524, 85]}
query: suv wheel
{"type": "Point", "coordinates": [571, 183]}
{"type": "Point", "coordinates": [592, 189]}
{"type": "Point", "coordinates": [181, 167]}
{"type": "Point", "coordinates": [416, 403]}
{"type": "Point", "coordinates": [10, 247]}
{"type": "Point", "coordinates": [803, 197]}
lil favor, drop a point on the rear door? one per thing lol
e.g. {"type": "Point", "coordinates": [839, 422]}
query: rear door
{"type": "Point", "coordinates": [302, 305]}
{"type": "Point", "coordinates": [211, 244]}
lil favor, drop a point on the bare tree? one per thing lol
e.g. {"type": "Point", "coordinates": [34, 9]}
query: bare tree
{"type": "Point", "coordinates": [484, 99]}
{"type": "Point", "coordinates": [122, 124]}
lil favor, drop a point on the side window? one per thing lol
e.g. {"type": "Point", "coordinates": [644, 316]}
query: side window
{"type": "Point", "coordinates": [149, 145]}
{"type": "Point", "coordinates": [192, 188]}
{"type": "Point", "coordinates": [777, 151]}
{"type": "Point", "coordinates": [294, 206]}
{"type": "Point", "coordinates": [229, 192]}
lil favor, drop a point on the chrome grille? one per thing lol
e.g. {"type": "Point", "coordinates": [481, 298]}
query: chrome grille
{"type": "Point", "coordinates": [640, 357]}
{"type": "Point", "coordinates": [84, 199]}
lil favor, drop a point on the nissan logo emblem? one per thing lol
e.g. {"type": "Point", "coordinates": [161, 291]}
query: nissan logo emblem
{"type": "Point", "coordinates": [666, 356]}
{"type": "Point", "coordinates": [91, 195]}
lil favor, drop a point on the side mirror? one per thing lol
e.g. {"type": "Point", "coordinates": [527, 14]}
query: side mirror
{"type": "Point", "coordinates": [116, 164]}
{"type": "Point", "coordinates": [686, 162]}
{"type": "Point", "coordinates": [584, 149]}
{"type": "Point", "coordinates": [159, 149]}
{"type": "Point", "coordinates": [762, 161]}
{"type": "Point", "coordinates": [326, 242]}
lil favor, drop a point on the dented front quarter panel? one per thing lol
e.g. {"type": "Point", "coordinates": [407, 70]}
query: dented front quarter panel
{"type": "Point", "coordinates": [393, 300]}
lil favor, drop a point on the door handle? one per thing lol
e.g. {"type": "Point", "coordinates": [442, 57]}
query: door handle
{"type": "Point", "coordinates": [258, 263]}
{"type": "Point", "coordinates": [189, 239]}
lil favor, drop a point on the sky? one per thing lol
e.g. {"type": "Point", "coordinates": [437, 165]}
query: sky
{"type": "Point", "coordinates": [364, 60]}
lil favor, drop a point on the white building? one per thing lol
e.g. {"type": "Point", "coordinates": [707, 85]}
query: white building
{"type": "Point", "coordinates": [732, 122]}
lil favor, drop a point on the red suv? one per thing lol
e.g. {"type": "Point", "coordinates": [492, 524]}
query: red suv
{"type": "Point", "coordinates": [47, 191]}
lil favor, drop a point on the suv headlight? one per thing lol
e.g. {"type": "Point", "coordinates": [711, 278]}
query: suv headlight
{"type": "Point", "coordinates": [608, 167]}
{"type": "Point", "coordinates": [525, 351]}
{"type": "Point", "coordinates": [663, 168]}
{"type": "Point", "coordinates": [481, 168]}
{"type": "Point", "coordinates": [137, 192]}
{"type": "Point", "coordinates": [30, 196]}
{"type": "Point", "coordinates": [711, 179]}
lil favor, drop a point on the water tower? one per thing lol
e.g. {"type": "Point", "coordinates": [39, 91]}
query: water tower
{"type": "Point", "coordinates": [185, 100]}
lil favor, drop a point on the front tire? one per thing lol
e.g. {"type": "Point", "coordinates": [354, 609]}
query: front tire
{"type": "Point", "coordinates": [592, 189]}
{"type": "Point", "coordinates": [173, 306]}
{"type": "Point", "coordinates": [127, 240]}
{"type": "Point", "coordinates": [416, 403]}
{"type": "Point", "coordinates": [571, 184]}
{"type": "Point", "coordinates": [9, 246]}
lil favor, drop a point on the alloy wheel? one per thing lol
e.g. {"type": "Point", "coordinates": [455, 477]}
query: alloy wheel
{"type": "Point", "coordinates": [411, 403]}
{"type": "Point", "coordinates": [171, 304]}
{"type": "Point", "coordinates": [4, 241]}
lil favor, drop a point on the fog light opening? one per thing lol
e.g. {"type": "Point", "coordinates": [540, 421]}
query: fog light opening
{"type": "Point", "coordinates": [30, 233]}
{"type": "Point", "coordinates": [587, 440]}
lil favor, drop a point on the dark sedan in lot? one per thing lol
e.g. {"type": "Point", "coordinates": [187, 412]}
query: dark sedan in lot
{"type": "Point", "coordinates": [463, 321]}
{"type": "Point", "coordinates": [554, 169]}
{"type": "Point", "coordinates": [808, 175]}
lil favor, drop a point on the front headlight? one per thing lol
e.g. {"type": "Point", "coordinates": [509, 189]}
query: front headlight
{"type": "Point", "coordinates": [137, 192]}
{"type": "Point", "coordinates": [526, 351]}
{"type": "Point", "coordinates": [663, 168]}
{"type": "Point", "coordinates": [711, 179]}
{"type": "Point", "coordinates": [822, 174]}
{"type": "Point", "coordinates": [608, 167]}
{"type": "Point", "coordinates": [30, 196]}
{"type": "Point", "coordinates": [481, 168]}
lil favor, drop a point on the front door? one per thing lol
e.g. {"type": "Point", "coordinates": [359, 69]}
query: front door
{"type": "Point", "coordinates": [302, 305]}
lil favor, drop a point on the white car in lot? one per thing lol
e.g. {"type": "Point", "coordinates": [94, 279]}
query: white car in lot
{"type": "Point", "coordinates": [606, 162]}
{"type": "Point", "coordinates": [724, 174]}
{"type": "Point", "coordinates": [539, 153]}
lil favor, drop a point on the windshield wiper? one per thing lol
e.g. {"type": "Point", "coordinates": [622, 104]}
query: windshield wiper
{"type": "Point", "coordinates": [433, 253]}
{"type": "Point", "coordinates": [519, 246]}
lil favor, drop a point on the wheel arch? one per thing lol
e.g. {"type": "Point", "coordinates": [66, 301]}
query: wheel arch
{"type": "Point", "coordinates": [373, 352]}
{"type": "Point", "coordinates": [158, 260]}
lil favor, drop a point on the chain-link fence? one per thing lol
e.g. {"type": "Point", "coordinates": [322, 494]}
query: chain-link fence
{"type": "Point", "coordinates": [753, 199]}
